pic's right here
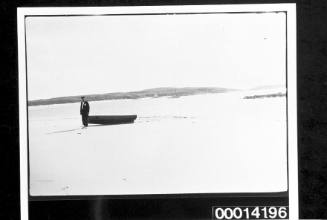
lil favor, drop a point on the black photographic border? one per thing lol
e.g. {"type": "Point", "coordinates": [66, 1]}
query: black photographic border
{"type": "Point", "coordinates": [311, 47]}
{"type": "Point", "coordinates": [114, 203]}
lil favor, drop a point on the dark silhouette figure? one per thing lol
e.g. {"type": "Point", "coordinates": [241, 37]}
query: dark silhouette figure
{"type": "Point", "coordinates": [84, 111]}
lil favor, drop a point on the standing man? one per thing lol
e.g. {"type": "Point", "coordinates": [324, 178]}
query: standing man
{"type": "Point", "coordinates": [84, 111]}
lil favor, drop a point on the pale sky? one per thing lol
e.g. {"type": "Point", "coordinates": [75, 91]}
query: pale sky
{"type": "Point", "coordinates": [99, 54]}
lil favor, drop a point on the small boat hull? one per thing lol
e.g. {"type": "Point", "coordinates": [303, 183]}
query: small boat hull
{"type": "Point", "coordinates": [112, 119]}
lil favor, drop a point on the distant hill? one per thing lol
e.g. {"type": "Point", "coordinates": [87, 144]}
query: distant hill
{"type": "Point", "coordinates": [274, 95]}
{"type": "Point", "coordinates": [152, 93]}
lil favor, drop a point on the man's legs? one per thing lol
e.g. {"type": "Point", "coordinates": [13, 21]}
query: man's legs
{"type": "Point", "coordinates": [85, 119]}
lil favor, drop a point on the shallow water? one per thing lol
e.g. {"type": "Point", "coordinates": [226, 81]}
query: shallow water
{"type": "Point", "coordinates": [194, 144]}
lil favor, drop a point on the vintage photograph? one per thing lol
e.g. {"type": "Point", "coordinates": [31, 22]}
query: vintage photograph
{"type": "Point", "coordinates": [150, 104]}
{"type": "Point", "coordinates": [181, 102]}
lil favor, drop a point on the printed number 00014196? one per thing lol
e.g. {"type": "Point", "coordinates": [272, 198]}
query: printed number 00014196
{"type": "Point", "coordinates": [250, 212]}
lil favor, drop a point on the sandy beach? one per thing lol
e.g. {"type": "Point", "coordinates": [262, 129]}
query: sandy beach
{"type": "Point", "coordinates": [194, 144]}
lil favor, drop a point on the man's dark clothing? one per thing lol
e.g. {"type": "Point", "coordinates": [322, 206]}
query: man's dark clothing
{"type": "Point", "coordinates": [84, 111]}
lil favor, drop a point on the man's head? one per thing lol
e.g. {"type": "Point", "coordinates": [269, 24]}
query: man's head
{"type": "Point", "coordinates": [83, 98]}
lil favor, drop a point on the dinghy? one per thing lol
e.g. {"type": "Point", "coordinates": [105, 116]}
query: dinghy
{"type": "Point", "coordinates": [112, 119]}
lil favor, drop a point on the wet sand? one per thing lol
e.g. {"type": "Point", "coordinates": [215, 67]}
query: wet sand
{"type": "Point", "coordinates": [194, 144]}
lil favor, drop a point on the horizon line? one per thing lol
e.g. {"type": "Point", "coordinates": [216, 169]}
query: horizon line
{"type": "Point", "coordinates": [163, 87]}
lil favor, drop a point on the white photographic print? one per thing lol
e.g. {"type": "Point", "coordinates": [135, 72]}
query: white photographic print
{"type": "Point", "coordinates": [160, 100]}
